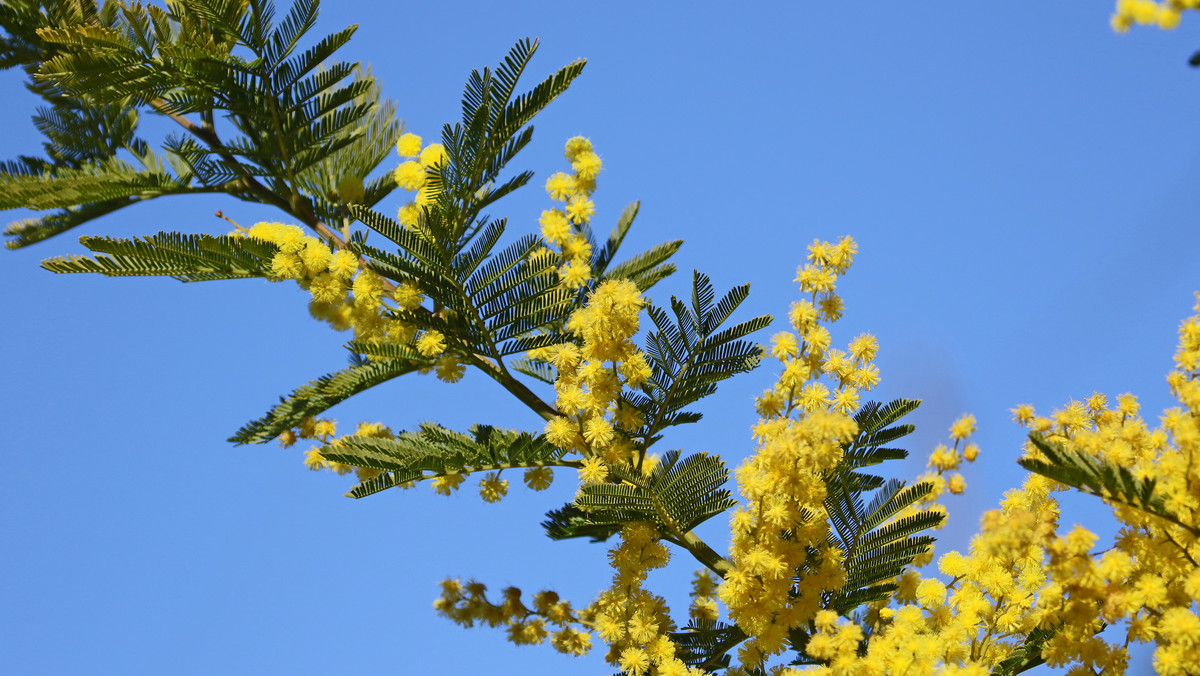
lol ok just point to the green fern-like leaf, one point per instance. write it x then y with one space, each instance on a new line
569 522
877 546
188 258
434 451
1028 655
677 496
705 645
1099 477
322 394
689 356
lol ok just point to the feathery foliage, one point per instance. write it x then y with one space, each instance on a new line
705 644
690 355
264 119
876 546
323 393
188 258
434 451
1100 477
677 496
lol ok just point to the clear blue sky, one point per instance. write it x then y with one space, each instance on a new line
1021 182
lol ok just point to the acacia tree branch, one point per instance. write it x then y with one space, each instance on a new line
302 210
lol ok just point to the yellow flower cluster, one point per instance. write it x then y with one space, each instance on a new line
413 175
634 622
563 229
1149 578
1164 14
549 618
783 563
1020 574
596 422
806 354
343 294
963 627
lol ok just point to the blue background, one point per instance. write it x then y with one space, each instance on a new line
1020 180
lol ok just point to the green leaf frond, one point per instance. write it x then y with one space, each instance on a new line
322 394
1100 477
434 451
188 258
877 546
500 298
110 181
492 132
569 522
644 269
705 645
689 356
1029 654
34 230
370 147
538 370
297 127
677 495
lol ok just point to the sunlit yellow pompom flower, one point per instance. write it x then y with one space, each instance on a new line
580 209
445 485
431 344
963 427
575 146
316 256
410 175
368 288
575 273
560 186
287 265
598 432
492 488
449 369
864 347
957 484
408 145
560 432
593 471
433 155
409 215
784 345
587 165
634 661
327 288
343 264
314 460
555 226
408 297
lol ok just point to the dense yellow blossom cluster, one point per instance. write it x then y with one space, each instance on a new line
564 228
595 421
782 528
632 620
962 627
1149 578
413 175
1020 575
1164 14
344 294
